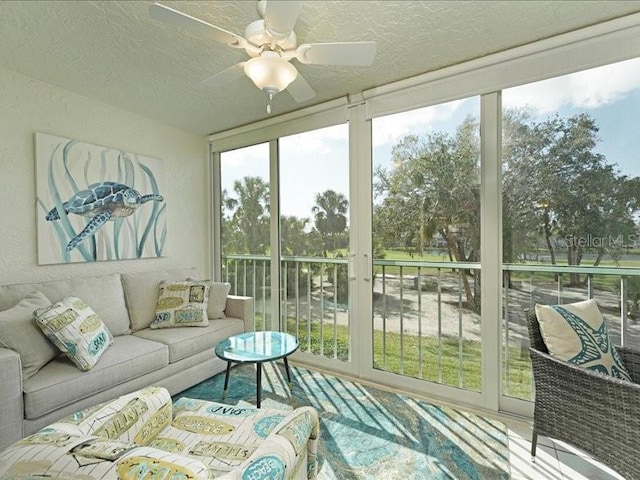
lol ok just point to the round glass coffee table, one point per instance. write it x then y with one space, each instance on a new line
256 347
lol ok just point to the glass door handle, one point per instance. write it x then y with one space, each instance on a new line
351 266
366 268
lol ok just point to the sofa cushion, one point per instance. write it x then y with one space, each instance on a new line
19 332
104 294
141 293
576 333
76 330
184 342
182 304
60 383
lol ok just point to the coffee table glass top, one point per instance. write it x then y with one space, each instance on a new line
257 347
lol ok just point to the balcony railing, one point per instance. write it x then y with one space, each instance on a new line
616 290
424 321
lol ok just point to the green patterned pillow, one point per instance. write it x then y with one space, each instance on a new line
218 293
76 330
182 304
576 333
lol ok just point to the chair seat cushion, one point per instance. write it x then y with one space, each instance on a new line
576 333
60 383
186 341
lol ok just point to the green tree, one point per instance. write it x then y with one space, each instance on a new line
330 217
556 185
246 217
296 239
432 189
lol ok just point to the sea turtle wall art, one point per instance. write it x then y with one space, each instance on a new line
96 203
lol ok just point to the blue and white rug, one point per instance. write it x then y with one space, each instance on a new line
369 433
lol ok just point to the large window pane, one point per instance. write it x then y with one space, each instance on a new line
571 189
426 237
245 227
314 232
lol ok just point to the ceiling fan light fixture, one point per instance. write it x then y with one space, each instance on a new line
270 72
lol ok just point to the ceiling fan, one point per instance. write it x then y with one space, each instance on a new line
271 44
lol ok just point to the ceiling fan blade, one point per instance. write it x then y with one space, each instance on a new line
280 17
300 90
195 25
226 76
337 53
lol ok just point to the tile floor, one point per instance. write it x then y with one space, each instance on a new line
554 460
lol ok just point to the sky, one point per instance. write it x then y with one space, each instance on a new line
313 162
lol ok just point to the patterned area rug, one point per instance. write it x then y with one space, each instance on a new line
369 433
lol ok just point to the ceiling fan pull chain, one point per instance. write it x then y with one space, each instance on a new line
269 99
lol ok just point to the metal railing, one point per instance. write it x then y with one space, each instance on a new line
424 321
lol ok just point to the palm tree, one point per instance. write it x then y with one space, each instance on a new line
330 216
251 216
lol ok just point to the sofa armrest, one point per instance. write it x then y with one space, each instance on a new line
290 450
11 405
133 418
240 307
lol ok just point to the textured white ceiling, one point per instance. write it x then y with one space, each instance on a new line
114 52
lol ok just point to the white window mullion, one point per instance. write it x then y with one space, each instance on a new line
360 288
274 205
491 245
216 216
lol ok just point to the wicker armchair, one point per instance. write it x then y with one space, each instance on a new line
594 412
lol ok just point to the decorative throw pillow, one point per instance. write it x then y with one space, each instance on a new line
19 332
182 304
76 330
576 333
217 298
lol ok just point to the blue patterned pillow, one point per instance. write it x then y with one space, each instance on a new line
73 327
576 333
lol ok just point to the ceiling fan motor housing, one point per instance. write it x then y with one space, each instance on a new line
256 34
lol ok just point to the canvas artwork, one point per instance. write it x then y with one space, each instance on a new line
97 203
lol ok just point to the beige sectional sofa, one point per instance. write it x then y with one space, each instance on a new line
174 358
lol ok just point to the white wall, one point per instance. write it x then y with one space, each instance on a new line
28 106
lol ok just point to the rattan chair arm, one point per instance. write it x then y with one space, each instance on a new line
553 367
631 359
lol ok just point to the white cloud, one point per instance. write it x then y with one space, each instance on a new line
389 129
316 142
246 156
586 90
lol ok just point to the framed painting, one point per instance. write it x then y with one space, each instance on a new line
97 203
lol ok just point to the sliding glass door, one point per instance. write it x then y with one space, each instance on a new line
314 241
427 320
245 228
285 237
